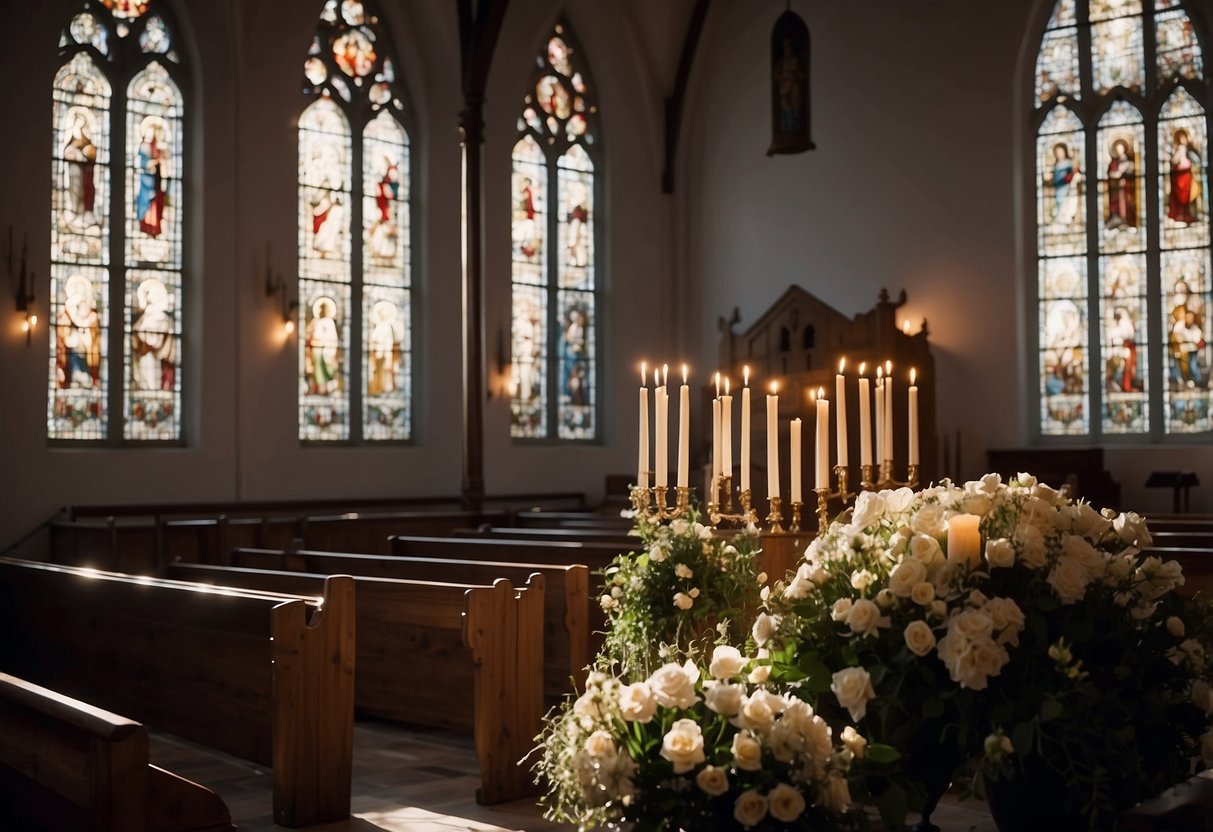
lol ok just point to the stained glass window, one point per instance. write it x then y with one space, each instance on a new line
1121 299
554 381
355 346
116 274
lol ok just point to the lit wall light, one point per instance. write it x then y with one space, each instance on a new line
275 285
23 295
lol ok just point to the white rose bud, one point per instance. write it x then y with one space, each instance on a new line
786 803
724 699
747 753
760 674
712 780
885 598
727 662
750 808
683 745
864 617
764 628
1000 553
862 579
841 609
600 745
637 702
939 609
919 638
852 687
694 593
1175 626
854 741
683 601
923 593
658 553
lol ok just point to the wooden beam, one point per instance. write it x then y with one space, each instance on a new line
675 103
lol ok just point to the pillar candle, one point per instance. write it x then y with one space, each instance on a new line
840 396
684 432
726 433
913 420
715 437
745 432
879 404
964 539
661 446
888 410
794 432
642 463
865 420
773 443
823 440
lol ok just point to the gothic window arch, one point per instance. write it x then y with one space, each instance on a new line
117 227
555 263
1124 342
355 235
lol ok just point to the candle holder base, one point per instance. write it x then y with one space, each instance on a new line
649 504
794 527
721 511
775 518
887 479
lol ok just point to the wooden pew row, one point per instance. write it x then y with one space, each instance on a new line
597 556
67 766
451 654
1180 523
566 620
263 676
620 539
1180 540
571 520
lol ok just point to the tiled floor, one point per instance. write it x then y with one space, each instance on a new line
411 781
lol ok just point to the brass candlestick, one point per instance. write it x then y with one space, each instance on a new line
775 518
823 509
824 495
659 510
797 505
866 483
887 479
721 511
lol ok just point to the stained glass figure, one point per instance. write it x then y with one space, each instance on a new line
1057 60
1124 336
1063 354
1189 353
155 37
86 30
1178 51
1121 140
355 353
1061 208
554 362
126 9
1182 145
1116 54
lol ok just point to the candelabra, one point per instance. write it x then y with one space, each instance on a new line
886 479
720 510
650 503
824 495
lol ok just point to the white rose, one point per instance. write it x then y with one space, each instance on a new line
679 527
1000 553
919 638
939 609
712 780
979 504
854 741
724 699
862 579
988 484
1089 522
637 703
923 593
1175 626
727 662
925 548
841 609
747 753
600 744
898 501
588 705
905 576
750 808
1131 528
1024 480
1082 551
972 624
930 521
835 795
658 553
760 674
674 686
869 508
703 532
787 803
683 571
683 745
864 617
683 601
1069 580
1202 695
1031 545
764 628
1048 494
885 598
758 711
852 687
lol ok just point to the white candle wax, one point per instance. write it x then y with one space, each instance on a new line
964 539
880 454
865 423
840 395
661 460
726 436
745 439
772 445
888 417
823 443
794 432
642 463
684 436
715 438
913 419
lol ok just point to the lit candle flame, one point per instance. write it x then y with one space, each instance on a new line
665 374
644 374
774 387
717 379
745 372
863 366
913 375
888 368
842 365
821 392
879 372
684 373
656 377
33 320
726 385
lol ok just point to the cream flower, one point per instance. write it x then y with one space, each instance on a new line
747 753
852 687
1031 546
864 617
600 745
1000 553
841 609
854 741
835 795
898 501
683 745
724 699
759 674
712 780
925 548
683 601
906 575
727 662
919 638
862 579
658 553
683 571
1069 579
1131 528
786 803
923 593
750 808
637 702
869 508
674 686
758 711
1175 626
764 628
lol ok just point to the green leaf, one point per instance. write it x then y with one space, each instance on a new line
817 676
893 807
880 753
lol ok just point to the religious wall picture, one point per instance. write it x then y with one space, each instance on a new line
790 86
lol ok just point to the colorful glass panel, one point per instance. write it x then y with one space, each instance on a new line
86 30
80 198
1123 342
1182 149
155 38
126 9
1178 50
1116 54
1057 66
576 308
1121 145
1110 9
1187 300
528 382
1063 346
1060 207
385 267
324 271
529 270
153 257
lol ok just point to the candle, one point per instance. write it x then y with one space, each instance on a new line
773 442
726 432
913 418
823 440
745 431
642 463
840 394
715 438
661 450
684 432
964 539
888 409
794 430
865 419
880 455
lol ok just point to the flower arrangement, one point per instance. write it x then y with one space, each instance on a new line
691 748
689 586
1056 647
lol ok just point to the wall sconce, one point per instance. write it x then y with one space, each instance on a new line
275 285
503 385
24 293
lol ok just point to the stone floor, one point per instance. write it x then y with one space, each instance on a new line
411 781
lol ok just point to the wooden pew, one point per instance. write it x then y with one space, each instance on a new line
597 556
244 672
620 539
572 520
566 619
456 655
1180 540
65 765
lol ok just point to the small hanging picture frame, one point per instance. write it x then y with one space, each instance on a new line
790 86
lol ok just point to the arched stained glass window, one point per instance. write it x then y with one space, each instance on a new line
554 379
116 284
1123 288
355 355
